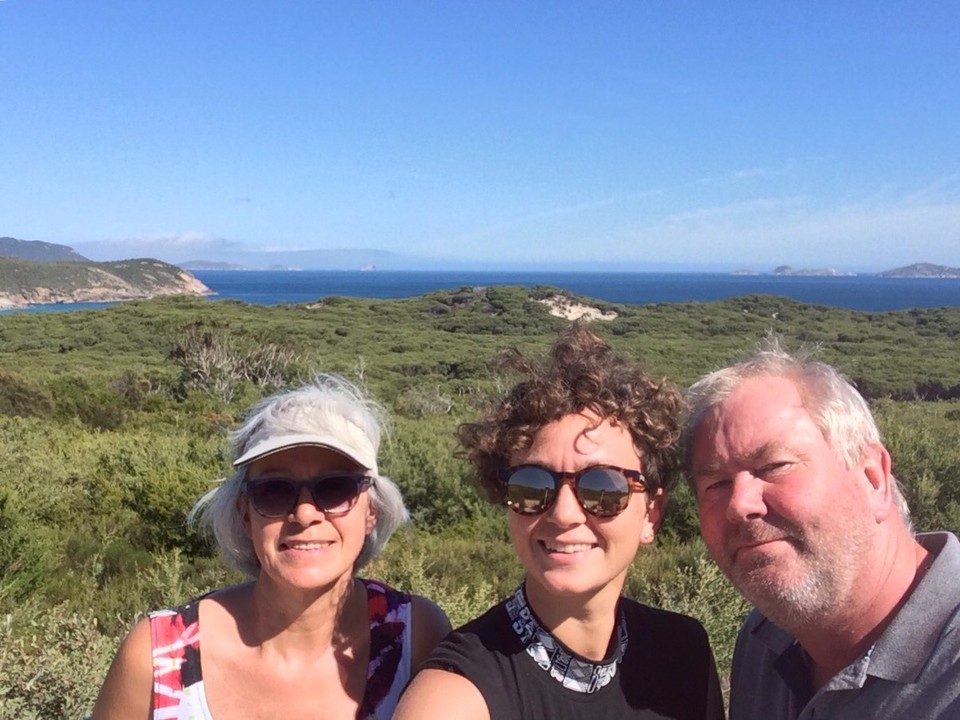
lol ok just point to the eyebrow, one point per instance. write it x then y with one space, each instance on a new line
763 451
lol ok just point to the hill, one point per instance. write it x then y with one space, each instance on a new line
25 282
921 270
38 251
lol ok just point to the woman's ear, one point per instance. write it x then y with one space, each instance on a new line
654 515
372 515
243 507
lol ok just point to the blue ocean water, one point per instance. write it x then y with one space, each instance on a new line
859 292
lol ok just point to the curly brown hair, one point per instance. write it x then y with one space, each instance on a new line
582 372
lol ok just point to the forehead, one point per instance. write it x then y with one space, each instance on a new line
578 440
760 411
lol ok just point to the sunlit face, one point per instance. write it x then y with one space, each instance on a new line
779 511
564 550
306 549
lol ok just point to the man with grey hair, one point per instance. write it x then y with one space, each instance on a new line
855 616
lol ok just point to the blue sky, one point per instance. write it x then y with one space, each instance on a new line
630 135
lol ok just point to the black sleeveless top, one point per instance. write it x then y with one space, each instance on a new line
666 671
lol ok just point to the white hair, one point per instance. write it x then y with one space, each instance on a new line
301 410
837 409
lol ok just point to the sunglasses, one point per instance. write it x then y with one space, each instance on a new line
334 495
601 490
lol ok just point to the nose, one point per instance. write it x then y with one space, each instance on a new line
566 510
746 498
306 511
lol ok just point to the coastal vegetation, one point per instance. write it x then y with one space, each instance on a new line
112 423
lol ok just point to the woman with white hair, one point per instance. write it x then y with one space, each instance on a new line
305 509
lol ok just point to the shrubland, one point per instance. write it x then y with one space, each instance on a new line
112 423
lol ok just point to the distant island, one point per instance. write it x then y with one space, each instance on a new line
824 272
33 273
922 270
211 265
917 270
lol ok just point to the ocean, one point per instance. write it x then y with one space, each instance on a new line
857 292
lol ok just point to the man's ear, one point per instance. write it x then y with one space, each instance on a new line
875 464
651 522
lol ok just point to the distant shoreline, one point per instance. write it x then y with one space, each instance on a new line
853 292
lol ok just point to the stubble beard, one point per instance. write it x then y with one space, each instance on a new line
799 591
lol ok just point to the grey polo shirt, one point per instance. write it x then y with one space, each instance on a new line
911 672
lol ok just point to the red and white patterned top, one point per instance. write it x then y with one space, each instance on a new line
178 682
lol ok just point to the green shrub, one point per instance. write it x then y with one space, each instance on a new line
19 397
52 662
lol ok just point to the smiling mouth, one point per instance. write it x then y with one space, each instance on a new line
565 548
306 546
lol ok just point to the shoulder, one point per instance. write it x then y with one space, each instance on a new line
479 640
127 690
666 645
659 622
671 657
429 625
429 695
755 619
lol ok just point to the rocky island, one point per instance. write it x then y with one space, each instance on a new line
922 270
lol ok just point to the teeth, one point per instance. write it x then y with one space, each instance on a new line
566 547
306 546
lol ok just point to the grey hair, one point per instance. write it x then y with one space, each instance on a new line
837 409
217 513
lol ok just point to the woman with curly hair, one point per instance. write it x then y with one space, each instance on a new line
581 452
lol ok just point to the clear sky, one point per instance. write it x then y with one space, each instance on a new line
633 135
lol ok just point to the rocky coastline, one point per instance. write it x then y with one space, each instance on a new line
104 287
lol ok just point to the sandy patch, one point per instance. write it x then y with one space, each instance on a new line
562 306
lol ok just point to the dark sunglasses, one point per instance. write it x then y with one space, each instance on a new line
276 497
601 490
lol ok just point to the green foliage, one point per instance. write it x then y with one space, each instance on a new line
925 445
418 569
52 661
215 363
19 397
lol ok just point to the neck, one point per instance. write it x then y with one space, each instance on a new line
871 604
583 622
312 620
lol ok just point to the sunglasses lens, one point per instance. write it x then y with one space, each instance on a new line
337 494
603 491
277 497
530 490
273 498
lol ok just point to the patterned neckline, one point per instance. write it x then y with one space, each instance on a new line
571 671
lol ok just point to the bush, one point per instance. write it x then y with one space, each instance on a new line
19 397
52 663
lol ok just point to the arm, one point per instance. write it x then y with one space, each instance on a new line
429 626
441 695
127 691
